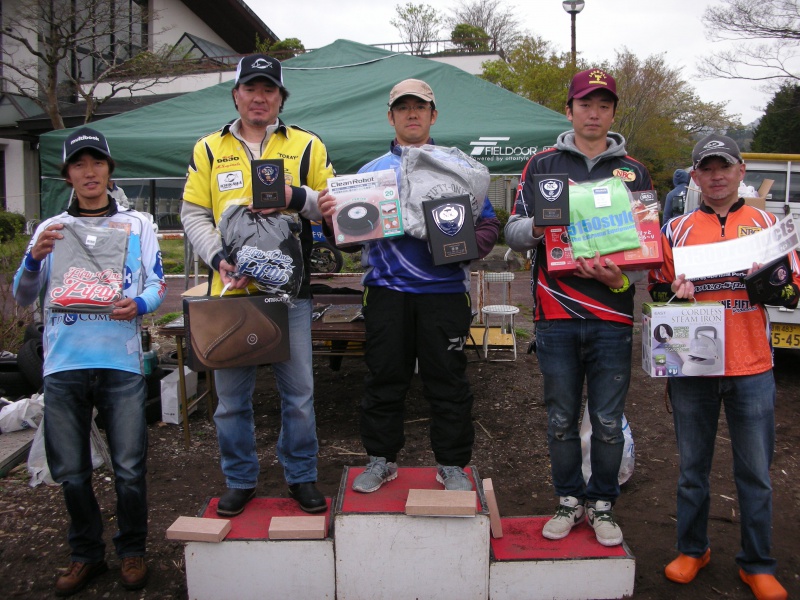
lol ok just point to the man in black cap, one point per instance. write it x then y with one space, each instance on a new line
747 388
101 352
584 322
219 176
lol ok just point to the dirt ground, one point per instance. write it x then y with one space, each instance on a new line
510 448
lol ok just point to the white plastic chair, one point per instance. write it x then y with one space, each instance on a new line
505 311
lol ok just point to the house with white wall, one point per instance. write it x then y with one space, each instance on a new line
211 31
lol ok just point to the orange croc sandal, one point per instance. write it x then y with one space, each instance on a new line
685 568
764 586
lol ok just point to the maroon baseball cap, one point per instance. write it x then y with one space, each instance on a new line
591 80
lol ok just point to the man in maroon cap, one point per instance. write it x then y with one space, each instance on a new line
584 322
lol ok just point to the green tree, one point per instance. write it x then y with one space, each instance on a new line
534 70
418 25
501 23
779 129
660 114
282 49
470 38
288 48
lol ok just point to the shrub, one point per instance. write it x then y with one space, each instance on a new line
11 224
13 318
502 216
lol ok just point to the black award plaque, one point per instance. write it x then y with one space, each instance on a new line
551 199
268 183
451 229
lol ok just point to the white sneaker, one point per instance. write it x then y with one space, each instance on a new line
570 512
601 518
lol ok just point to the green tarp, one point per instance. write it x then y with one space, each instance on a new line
340 92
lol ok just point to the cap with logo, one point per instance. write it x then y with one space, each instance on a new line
259 65
591 80
716 145
85 138
412 87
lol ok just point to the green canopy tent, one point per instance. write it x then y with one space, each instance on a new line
340 92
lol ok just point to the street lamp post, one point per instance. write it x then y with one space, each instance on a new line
573 7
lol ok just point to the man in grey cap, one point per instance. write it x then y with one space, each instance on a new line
219 176
747 388
415 313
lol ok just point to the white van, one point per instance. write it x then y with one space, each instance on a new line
783 198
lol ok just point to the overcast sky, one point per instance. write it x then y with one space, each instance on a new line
646 27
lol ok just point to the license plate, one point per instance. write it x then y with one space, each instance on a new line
785 336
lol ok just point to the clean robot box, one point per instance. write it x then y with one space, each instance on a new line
683 339
551 199
367 207
647 256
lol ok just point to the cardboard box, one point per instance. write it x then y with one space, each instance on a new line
760 201
197 529
441 503
171 396
451 229
297 528
682 339
367 207
551 199
645 213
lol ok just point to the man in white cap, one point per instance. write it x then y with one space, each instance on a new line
415 313
101 354
748 387
220 175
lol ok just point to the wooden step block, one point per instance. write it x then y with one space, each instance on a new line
197 529
494 512
441 503
297 528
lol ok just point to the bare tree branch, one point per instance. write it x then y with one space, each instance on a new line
766 36
500 23
56 52
418 24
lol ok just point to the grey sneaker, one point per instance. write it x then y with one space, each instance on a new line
570 512
606 529
377 473
453 478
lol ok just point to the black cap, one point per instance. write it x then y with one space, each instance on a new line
85 139
259 65
716 145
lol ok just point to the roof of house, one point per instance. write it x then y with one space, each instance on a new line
233 21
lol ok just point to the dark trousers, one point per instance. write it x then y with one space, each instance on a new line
403 329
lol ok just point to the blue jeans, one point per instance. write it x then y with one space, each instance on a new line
120 398
569 351
297 442
750 412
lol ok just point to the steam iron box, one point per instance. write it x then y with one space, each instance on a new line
683 339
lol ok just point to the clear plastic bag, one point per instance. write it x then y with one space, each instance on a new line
628 452
37 457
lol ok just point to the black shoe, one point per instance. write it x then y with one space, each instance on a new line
308 497
232 501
